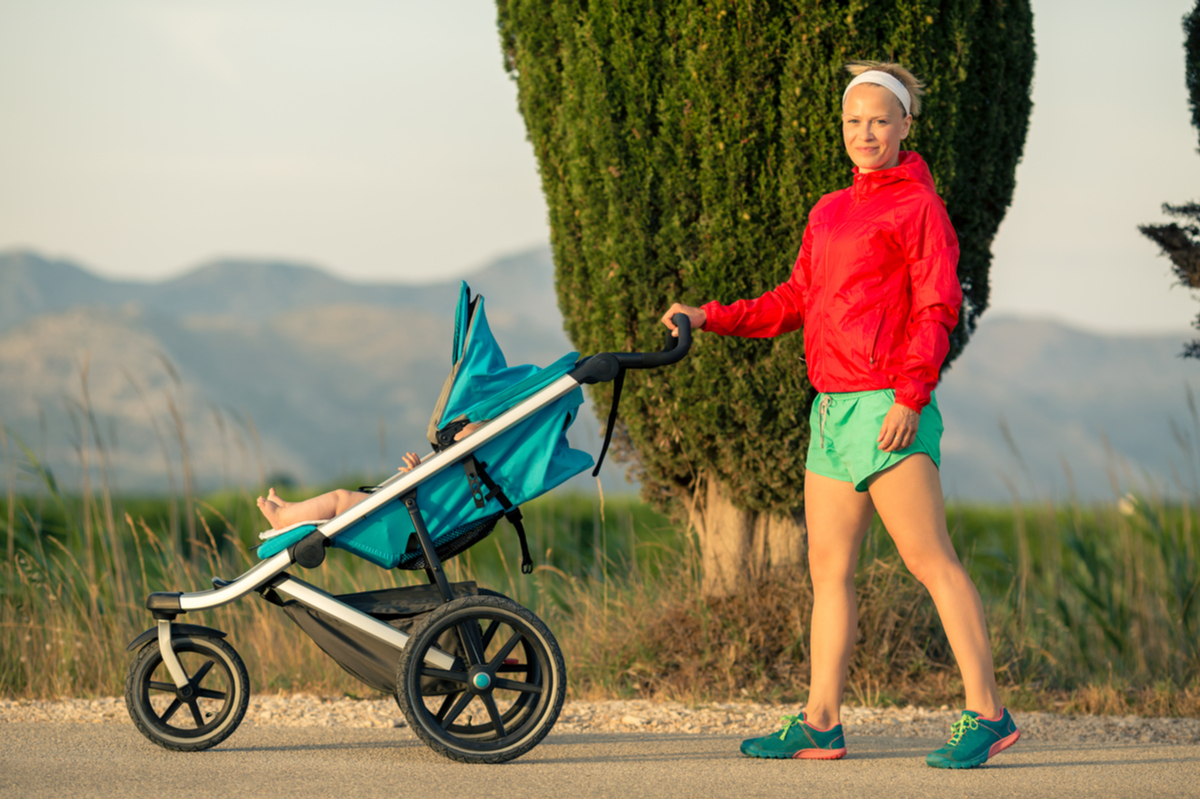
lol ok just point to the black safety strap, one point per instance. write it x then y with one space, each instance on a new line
618 382
478 478
514 517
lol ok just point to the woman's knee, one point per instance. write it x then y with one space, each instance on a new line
933 567
831 566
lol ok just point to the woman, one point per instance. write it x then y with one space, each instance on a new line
876 291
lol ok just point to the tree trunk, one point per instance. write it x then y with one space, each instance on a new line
739 546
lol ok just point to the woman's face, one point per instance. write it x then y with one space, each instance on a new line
873 125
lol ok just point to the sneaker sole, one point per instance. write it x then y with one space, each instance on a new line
821 755
811 754
1004 744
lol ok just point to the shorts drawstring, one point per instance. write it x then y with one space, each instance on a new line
821 411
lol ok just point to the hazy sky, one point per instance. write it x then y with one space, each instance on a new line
381 140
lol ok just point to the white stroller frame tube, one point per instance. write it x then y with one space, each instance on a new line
262 572
168 654
265 571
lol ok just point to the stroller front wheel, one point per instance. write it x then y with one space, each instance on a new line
504 692
195 717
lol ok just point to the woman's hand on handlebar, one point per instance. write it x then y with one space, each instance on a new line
696 315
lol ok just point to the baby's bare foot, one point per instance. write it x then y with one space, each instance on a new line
276 499
270 511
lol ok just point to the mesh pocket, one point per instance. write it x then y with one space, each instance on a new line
451 544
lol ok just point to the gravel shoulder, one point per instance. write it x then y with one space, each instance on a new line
645 716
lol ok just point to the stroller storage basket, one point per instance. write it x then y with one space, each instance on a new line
371 661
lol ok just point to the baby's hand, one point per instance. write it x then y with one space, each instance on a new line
410 461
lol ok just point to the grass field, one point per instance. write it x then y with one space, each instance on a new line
1092 608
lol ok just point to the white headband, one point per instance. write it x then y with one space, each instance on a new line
886 81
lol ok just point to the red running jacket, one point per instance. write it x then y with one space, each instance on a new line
875 287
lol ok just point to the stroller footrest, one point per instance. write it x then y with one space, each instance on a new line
283 541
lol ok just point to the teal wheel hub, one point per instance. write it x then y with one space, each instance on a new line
481 680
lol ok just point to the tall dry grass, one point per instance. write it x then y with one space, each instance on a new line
1092 607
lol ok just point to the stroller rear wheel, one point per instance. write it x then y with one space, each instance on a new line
503 694
199 715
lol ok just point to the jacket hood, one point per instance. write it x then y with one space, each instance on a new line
911 168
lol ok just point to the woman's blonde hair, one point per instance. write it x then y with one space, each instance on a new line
914 86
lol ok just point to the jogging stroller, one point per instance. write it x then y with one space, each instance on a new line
478 677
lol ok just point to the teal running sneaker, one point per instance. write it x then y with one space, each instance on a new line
798 739
973 740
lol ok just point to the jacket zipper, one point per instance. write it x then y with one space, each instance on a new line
875 341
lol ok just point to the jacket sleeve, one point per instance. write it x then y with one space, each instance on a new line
932 250
780 310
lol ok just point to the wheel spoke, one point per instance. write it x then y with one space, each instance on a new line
512 642
200 673
210 694
490 632
445 675
514 668
455 710
489 703
160 686
196 715
171 709
518 686
445 706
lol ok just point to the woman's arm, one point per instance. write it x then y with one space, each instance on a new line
936 300
778 311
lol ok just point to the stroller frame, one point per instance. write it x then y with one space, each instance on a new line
162 644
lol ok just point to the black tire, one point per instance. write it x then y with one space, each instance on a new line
218 686
517 714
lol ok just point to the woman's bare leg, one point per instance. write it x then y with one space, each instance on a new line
837 518
322 506
910 503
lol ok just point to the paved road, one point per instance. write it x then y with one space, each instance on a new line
109 760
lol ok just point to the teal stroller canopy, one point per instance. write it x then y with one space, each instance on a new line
461 506
481 385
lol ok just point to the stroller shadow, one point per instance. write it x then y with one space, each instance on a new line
369 742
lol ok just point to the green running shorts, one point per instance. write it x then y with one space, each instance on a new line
844 432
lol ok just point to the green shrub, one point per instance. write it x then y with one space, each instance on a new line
681 146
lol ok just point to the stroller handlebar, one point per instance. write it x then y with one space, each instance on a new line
674 350
604 367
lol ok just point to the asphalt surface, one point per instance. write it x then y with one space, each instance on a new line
110 760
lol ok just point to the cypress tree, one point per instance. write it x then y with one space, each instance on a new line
1181 243
681 145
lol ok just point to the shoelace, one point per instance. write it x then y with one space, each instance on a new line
960 728
790 720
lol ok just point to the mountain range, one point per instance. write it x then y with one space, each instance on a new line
245 371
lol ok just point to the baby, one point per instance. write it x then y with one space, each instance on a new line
282 514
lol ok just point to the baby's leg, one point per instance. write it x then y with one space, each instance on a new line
322 506
276 499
